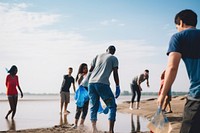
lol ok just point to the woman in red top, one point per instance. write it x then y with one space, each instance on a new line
11 84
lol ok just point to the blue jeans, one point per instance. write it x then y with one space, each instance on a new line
97 90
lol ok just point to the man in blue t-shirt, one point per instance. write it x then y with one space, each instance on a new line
186 45
99 86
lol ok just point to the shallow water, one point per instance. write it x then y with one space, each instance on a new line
43 111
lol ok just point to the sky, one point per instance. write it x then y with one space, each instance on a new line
45 37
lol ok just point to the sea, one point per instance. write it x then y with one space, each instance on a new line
43 111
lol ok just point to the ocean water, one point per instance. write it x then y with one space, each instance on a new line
40 111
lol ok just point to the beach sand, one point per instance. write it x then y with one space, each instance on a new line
148 109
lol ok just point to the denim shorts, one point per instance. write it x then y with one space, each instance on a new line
103 91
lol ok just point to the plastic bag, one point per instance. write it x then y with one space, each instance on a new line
81 96
159 123
102 110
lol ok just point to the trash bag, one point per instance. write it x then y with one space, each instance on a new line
81 96
102 110
159 123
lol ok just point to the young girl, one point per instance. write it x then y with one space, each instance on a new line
11 84
82 72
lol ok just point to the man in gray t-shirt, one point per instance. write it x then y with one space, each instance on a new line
99 86
136 88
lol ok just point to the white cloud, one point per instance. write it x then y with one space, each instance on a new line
111 22
14 18
105 22
43 55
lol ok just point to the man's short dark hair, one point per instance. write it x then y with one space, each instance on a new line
188 17
147 71
70 68
111 49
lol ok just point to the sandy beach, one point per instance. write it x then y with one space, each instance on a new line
148 108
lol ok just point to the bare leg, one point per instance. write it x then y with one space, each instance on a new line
15 100
131 106
11 103
137 106
94 127
76 122
66 104
61 107
169 107
82 121
111 126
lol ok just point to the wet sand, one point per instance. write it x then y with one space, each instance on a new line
148 108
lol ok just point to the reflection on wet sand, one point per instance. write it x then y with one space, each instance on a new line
63 120
11 125
135 127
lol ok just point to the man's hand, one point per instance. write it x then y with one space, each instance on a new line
117 92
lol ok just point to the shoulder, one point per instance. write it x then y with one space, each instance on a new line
65 77
72 78
112 57
141 75
185 33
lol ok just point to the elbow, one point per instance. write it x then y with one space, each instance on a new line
172 68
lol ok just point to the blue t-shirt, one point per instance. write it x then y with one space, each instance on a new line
187 43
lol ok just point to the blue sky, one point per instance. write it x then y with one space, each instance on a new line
44 37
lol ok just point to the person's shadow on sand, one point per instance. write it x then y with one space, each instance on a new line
11 125
135 129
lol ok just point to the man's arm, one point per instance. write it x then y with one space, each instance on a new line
139 82
116 79
74 87
170 74
116 76
148 82
91 68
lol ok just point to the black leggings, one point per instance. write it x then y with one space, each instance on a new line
135 89
83 109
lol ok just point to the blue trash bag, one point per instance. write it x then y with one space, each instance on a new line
102 110
159 123
81 96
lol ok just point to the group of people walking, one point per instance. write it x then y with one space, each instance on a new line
185 44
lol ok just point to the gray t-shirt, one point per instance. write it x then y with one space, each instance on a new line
103 65
141 77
